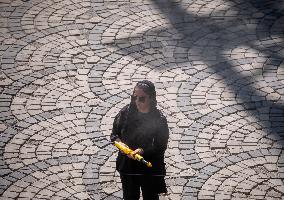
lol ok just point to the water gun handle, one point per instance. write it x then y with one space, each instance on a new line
128 151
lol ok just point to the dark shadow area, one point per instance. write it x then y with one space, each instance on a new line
188 39
193 38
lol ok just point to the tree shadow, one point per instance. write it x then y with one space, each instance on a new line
216 41
189 38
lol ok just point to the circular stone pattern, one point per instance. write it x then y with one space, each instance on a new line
68 67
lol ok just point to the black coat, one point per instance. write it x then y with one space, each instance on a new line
147 131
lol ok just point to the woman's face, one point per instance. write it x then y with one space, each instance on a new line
142 100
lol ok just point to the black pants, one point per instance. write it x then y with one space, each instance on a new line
131 185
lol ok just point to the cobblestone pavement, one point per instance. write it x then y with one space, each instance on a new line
68 66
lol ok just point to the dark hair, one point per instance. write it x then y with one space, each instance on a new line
149 88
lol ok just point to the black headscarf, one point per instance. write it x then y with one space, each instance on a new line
131 113
149 88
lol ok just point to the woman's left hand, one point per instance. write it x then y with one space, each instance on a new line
136 151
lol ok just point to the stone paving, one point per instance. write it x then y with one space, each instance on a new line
68 66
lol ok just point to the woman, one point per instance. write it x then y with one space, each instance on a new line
143 128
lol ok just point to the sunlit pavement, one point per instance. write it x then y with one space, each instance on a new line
68 66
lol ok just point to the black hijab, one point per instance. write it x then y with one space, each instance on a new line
149 88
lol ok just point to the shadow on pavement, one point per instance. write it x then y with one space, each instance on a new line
207 38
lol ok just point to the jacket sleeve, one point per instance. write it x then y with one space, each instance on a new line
160 141
163 136
117 126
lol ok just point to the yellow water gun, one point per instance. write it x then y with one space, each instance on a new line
128 151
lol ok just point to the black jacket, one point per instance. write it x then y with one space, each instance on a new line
147 131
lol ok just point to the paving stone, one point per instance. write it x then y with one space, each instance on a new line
218 76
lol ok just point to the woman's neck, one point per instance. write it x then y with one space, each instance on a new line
144 111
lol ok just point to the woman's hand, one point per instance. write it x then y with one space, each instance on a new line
136 151
133 153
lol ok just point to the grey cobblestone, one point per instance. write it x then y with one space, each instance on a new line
68 66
